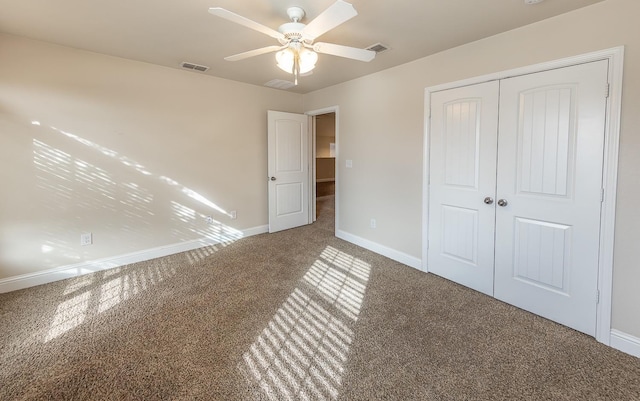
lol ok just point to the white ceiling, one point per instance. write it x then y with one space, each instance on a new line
168 32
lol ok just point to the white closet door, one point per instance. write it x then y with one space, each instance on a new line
550 156
462 174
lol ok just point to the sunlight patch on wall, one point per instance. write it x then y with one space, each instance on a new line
67 181
142 169
303 351
58 177
183 213
94 179
220 235
137 200
58 172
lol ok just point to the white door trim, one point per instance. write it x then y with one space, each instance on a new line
615 56
312 170
313 113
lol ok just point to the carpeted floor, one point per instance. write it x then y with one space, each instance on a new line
296 315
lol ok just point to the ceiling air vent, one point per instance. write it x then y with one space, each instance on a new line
378 48
280 84
195 67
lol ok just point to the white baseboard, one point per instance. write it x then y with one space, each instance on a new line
398 256
250 232
60 273
625 342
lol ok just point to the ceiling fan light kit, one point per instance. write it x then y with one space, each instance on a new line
296 61
298 53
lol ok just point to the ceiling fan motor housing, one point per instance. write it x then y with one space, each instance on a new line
292 31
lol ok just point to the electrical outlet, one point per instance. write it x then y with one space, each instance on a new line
86 239
372 224
233 215
349 163
209 219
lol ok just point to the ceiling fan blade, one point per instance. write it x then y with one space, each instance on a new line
339 12
255 52
239 19
344 51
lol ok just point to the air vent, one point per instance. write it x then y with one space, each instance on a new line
195 67
378 48
280 84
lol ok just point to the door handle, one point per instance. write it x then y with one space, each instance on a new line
273 178
488 200
502 202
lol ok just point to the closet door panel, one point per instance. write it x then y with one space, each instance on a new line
462 174
549 176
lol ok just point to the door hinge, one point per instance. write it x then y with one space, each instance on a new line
607 90
602 195
597 296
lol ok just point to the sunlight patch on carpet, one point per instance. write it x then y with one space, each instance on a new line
69 315
90 295
303 351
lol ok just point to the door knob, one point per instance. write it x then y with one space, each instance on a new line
502 202
273 178
488 200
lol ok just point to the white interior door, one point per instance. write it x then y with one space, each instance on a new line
288 169
550 157
462 169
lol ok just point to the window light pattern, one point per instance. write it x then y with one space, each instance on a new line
303 351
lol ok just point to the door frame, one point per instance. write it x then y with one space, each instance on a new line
312 170
615 56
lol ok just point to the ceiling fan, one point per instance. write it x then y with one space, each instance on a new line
297 53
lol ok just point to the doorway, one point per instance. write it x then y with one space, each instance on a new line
325 155
325 172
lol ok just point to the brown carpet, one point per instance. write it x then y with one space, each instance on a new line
297 315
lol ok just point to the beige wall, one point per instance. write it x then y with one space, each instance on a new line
135 153
386 181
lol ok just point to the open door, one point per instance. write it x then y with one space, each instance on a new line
288 169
